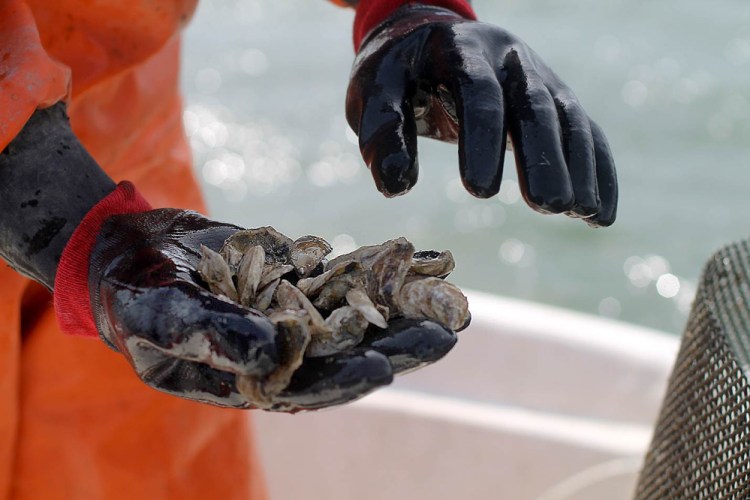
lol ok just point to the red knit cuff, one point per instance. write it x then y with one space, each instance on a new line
370 13
72 301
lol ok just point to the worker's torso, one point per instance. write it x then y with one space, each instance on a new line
76 422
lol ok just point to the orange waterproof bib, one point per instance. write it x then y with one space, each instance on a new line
76 423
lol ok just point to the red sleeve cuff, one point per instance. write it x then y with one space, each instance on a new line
71 296
370 13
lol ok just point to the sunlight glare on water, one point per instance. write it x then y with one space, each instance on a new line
669 82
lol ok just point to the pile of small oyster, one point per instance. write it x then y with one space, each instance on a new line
320 307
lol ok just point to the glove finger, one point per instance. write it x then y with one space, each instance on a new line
334 380
606 177
382 103
578 147
482 136
534 130
318 383
182 320
187 379
410 344
197 230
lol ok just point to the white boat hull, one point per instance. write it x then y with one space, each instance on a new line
534 402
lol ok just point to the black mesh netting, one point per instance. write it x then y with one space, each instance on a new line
701 445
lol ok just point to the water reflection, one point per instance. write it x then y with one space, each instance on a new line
509 192
668 285
264 115
240 159
654 270
333 166
516 253
342 244
254 62
610 307
473 218
208 81
738 51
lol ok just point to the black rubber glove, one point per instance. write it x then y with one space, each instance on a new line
184 340
180 338
427 71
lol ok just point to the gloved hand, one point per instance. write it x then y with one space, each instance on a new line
182 339
428 71
128 273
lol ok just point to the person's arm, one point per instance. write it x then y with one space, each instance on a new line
48 183
429 68
126 273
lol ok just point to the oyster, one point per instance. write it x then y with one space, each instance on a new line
363 255
249 273
432 263
323 307
215 272
360 301
386 265
435 299
274 272
293 339
312 286
276 245
265 297
307 253
289 297
333 293
384 311
347 326
389 269
232 256
324 340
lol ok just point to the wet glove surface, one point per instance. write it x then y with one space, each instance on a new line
132 279
427 71
149 302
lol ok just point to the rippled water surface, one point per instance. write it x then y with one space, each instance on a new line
669 81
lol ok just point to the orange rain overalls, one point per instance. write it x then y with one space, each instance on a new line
76 422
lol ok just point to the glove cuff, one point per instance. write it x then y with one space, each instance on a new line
370 13
71 295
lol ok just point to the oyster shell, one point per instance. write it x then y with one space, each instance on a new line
360 301
343 329
384 311
385 269
363 255
333 293
312 286
435 299
249 274
215 272
347 326
292 341
232 256
389 269
273 272
307 253
265 297
432 263
276 245
321 308
289 297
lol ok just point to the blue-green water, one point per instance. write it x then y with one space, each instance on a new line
669 80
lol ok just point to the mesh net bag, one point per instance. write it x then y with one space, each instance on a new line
701 444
